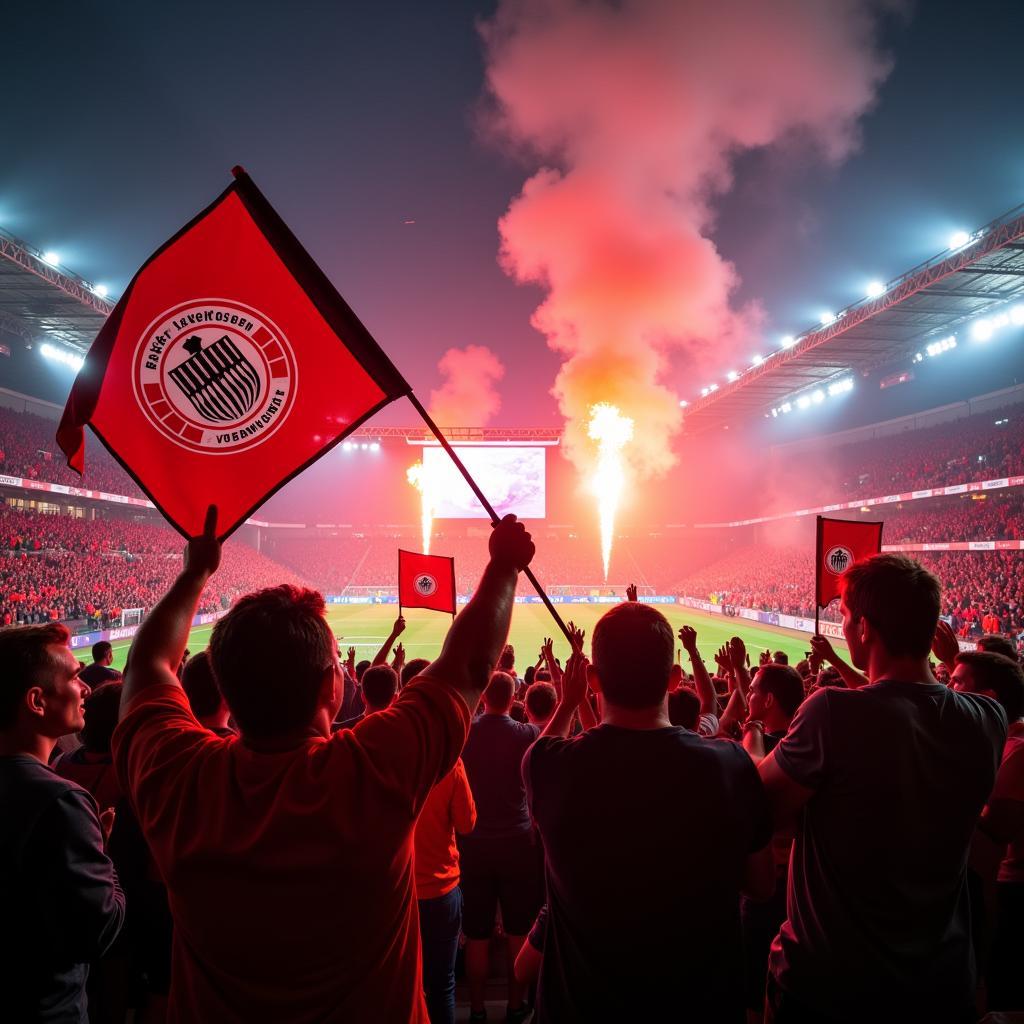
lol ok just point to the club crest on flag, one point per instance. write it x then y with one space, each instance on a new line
838 559
425 584
214 376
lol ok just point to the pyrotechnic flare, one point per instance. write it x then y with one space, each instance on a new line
419 477
612 431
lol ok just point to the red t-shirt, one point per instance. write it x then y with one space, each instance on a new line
290 875
449 809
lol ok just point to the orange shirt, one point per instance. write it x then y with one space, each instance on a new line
290 875
449 809
990 624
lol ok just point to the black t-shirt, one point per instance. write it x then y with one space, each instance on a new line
95 675
493 758
878 914
646 835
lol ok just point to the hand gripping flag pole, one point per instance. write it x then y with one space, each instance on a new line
489 509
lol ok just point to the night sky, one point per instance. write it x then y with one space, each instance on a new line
122 120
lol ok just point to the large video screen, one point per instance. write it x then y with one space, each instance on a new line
511 478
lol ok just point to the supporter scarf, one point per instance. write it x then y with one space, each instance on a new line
229 365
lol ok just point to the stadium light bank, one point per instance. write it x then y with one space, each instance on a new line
62 356
815 397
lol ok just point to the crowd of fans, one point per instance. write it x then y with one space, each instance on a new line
267 831
59 568
987 516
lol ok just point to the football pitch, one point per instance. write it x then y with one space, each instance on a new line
365 627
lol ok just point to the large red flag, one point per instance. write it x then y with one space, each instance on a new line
230 364
426 581
840 544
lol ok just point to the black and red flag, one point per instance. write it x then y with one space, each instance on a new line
426 581
229 365
840 544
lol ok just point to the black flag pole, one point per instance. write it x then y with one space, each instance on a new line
817 574
489 509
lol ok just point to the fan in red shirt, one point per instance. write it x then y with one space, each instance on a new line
288 852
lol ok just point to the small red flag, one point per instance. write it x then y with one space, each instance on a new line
229 365
840 544
426 581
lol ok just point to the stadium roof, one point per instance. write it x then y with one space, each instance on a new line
927 303
40 301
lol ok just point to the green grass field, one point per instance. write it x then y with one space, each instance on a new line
365 627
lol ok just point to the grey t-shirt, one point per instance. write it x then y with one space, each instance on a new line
878 915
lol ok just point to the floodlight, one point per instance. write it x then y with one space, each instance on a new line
775 413
1017 316
101 290
818 396
683 403
703 392
732 375
52 258
958 239
346 446
827 318
788 341
982 330
786 407
874 289
757 360
803 402
374 446
712 387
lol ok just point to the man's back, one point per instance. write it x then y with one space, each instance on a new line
646 834
877 907
290 874
493 756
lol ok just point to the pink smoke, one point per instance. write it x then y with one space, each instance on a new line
467 397
638 109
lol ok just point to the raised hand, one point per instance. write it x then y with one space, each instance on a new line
577 636
722 659
688 637
737 653
574 682
350 662
399 659
766 658
631 592
945 645
399 627
821 651
202 553
510 545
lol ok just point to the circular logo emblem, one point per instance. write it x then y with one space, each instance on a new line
425 584
838 560
214 376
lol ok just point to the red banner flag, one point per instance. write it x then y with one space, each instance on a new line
840 544
426 581
229 365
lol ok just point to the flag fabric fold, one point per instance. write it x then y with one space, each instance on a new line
841 542
229 365
426 581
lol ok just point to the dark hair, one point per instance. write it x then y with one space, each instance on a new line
200 686
1002 675
411 669
507 660
528 675
379 685
900 599
996 644
541 699
499 692
101 710
269 655
518 712
101 650
780 658
784 683
829 676
361 667
542 675
23 657
633 646
803 666
684 708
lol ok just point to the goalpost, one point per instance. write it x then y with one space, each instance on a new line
131 616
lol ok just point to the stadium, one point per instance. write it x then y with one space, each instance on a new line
94 553
542 541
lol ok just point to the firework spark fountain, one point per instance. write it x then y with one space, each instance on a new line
418 475
612 431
